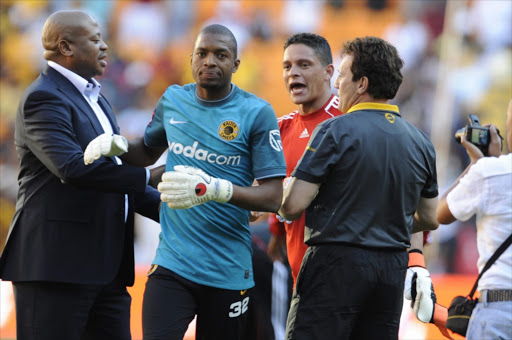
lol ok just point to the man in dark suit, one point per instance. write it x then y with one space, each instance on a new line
69 252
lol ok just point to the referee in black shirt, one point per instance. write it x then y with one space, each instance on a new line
367 181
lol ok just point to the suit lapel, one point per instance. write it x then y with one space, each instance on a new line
69 90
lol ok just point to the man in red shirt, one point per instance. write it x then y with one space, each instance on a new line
307 73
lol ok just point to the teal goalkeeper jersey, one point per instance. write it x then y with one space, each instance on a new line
235 138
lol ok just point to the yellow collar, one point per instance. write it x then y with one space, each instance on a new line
374 106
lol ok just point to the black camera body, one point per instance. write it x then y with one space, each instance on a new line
476 134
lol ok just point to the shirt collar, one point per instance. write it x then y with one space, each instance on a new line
374 106
88 89
217 102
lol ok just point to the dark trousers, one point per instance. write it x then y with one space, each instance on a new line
53 311
171 302
346 292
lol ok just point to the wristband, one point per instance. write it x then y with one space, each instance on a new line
416 258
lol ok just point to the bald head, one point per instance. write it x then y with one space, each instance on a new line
73 40
63 25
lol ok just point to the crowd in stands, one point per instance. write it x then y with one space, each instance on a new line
150 43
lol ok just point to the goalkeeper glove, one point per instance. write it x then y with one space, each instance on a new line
282 220
187 186
107 145
286 181
419 289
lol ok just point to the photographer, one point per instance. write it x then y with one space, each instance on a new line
485 189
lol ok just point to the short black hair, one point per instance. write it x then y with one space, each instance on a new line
318 43
377 60
223 30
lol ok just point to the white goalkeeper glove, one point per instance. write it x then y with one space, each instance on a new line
187 186
421 293
282 220
107 145
419 289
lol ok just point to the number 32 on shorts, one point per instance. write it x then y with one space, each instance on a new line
238 308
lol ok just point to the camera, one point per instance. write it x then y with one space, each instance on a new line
476 134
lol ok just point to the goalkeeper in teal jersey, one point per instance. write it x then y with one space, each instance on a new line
233 138
219 140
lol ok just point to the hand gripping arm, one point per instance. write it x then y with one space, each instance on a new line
187 186
107 145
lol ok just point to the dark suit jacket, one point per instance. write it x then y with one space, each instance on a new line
69 224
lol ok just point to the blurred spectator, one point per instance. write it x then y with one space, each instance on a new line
301 16
134 118
140 29
486 27
182 15
488 22
27 19
409 34
101 10
261 25
413 38
336 4
229 13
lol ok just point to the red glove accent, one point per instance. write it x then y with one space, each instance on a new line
440 318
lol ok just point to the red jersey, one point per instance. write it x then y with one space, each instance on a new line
295 133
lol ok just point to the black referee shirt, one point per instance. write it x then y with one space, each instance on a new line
373 166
